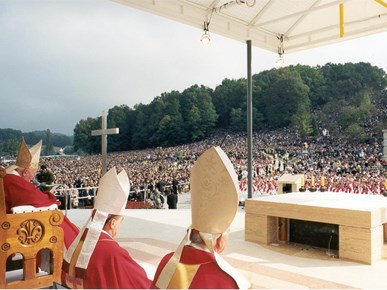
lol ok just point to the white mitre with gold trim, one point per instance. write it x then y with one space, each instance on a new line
214 203
111 199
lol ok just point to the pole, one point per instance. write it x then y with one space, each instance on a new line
104 143
249 123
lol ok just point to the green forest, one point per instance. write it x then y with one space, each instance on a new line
9 140
342 98
349 100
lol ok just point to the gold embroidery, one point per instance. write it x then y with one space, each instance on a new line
183 276
71 280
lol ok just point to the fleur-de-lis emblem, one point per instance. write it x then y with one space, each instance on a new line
30 232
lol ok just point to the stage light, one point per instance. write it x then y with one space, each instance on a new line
280 62
206 38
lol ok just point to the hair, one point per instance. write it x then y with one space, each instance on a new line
111 217
195 237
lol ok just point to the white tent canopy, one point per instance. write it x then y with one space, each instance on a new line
280 26
301 23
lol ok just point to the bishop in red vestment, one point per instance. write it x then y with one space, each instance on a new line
110 266
18 192
95 260
214 203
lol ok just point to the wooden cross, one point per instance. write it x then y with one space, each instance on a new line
103 133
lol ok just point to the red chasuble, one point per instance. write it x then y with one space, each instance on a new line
196 269
18 192
110 266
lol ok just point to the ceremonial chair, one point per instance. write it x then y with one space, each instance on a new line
27 235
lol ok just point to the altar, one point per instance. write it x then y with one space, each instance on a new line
359 219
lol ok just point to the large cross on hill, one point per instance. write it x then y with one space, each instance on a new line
103 132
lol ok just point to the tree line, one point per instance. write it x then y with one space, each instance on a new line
345 99
9 140
341 98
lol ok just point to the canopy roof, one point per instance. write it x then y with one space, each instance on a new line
302 23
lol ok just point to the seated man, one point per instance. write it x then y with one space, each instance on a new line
45 178
214 203
95 260
19 190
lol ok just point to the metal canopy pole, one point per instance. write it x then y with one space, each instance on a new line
249 123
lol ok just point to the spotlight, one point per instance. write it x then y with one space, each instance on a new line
280 61
206 38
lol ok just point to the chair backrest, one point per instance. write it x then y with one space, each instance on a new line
28 234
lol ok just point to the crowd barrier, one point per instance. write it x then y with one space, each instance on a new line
73 197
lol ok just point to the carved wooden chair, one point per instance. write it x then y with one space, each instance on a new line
26 235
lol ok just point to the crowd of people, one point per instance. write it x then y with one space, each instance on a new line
345 167
94 259
196 263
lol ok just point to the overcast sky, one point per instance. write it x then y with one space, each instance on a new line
65 60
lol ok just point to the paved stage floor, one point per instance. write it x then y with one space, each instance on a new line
149 234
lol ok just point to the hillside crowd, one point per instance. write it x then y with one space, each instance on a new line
345 167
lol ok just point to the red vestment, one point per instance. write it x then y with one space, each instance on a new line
208 274
19 192
110 266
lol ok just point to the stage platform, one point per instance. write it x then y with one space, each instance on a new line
361 220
